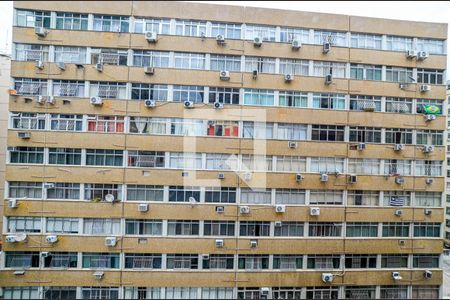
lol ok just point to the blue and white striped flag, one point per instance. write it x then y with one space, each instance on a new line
397 201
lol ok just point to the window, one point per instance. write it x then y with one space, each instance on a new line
101 260
395 229
287 262
64 191
182 261
256 162
68 88
218 161
397 198
290 164
147 58
430 137
143 261
260 64
289 196
398 74
248 293
327 164
108 56
257 130
112 90
365 134
28 121
430 76
421 103
190 60
428 168
64 156
322 293
323 261
70 55
183 93
110 124
364 166
323 68
398 136
30 87
431 46
223 128
360 292
428 199
227 30
365 103
398 43
21 292
294 66
360 261
111 23
21 189
329 101
218 228
24 224
28 18
362 198
254 228
145 192
100 157
220 195
398 105
425 291
61 260
18 259
217 293
190 28
335 38
364 40
289 229
184 160
223 95
100 292
255 196
30 52
365 72
326 197
26 155
253 261
146 159
292 132
160 26
187 127
230 63
143 227
97 191
181 293
59 292
427 229
293 99
101 226
266 33
182 227
288 34
394 260
362 229
286 292
425 261
325 229
62 225
327 133
218 262
71 21
144 125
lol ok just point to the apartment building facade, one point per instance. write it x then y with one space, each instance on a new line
447 203
179 150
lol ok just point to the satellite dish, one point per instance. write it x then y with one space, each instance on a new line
20 237
109 198
192 200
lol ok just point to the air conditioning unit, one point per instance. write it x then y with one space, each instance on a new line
219 243
51 100
10 239
98 275
192 201
96 101
40 31
151 37
51 239
15 238
403 86
399 180
12 203
298 177
352 178
428 149
40 99
253 243
248 176
109 198
296 44
278 223
421 55
220 39
427 211
149 103
430 118
149 70
110 241
224 75
396 276
399 147
99 67
314 211
39 64
23 135
49 185
188 104
429 180
360 146
220 209
288 77
280 208
425 88
323 177
205 256
218 105
398 212
45 254
61 65
292 144
401 242
257 41
143 207
427 274
327 277
244 209
328 79
326 47
255 74
221 176
264 291
411 54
